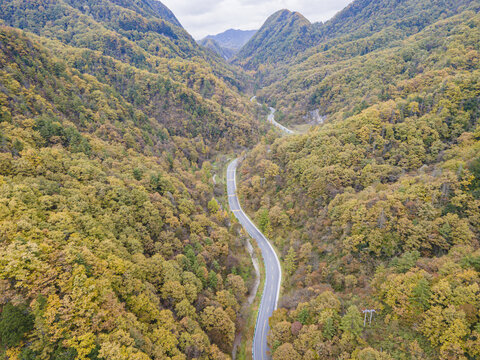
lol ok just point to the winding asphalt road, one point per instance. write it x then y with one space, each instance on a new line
271 119
273 271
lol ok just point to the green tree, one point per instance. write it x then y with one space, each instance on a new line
15 323
304 316
212 280
329 329
264 221
213 206
475 170
291 261
421 295
352 322
137 174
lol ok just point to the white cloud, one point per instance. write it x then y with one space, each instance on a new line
204 17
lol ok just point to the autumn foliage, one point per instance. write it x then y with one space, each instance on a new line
379 209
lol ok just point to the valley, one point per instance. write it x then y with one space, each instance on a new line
139 166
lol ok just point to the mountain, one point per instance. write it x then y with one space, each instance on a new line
375 213
160 10
112 245
228 43
99 37
114 239
365 17
362 28
213 45
283 35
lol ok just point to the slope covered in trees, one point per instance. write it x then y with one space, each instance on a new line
365 17
100 37
363 28
218 49
283 35
111 244
379 208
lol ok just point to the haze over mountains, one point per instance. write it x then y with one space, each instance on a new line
228 43
115 238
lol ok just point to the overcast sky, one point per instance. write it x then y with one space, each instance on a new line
210 17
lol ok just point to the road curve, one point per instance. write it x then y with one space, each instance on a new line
271 119
273 271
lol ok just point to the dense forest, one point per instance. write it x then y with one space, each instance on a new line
111 243
154 65
310 80
379 208
114 243
284 34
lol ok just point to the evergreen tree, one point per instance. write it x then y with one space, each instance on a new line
352 322
291 261
15 323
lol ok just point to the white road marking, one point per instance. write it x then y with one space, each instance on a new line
270 296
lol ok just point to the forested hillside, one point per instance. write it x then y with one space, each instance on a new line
214 46
152 63
111 244
304 82
379 208
283 35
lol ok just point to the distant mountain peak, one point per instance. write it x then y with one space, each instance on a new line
232 38
233 31
227 43
285 14
288 12
283 35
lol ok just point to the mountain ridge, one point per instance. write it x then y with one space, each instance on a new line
362 27
283 34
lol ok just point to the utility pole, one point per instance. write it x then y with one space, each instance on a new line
371 312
